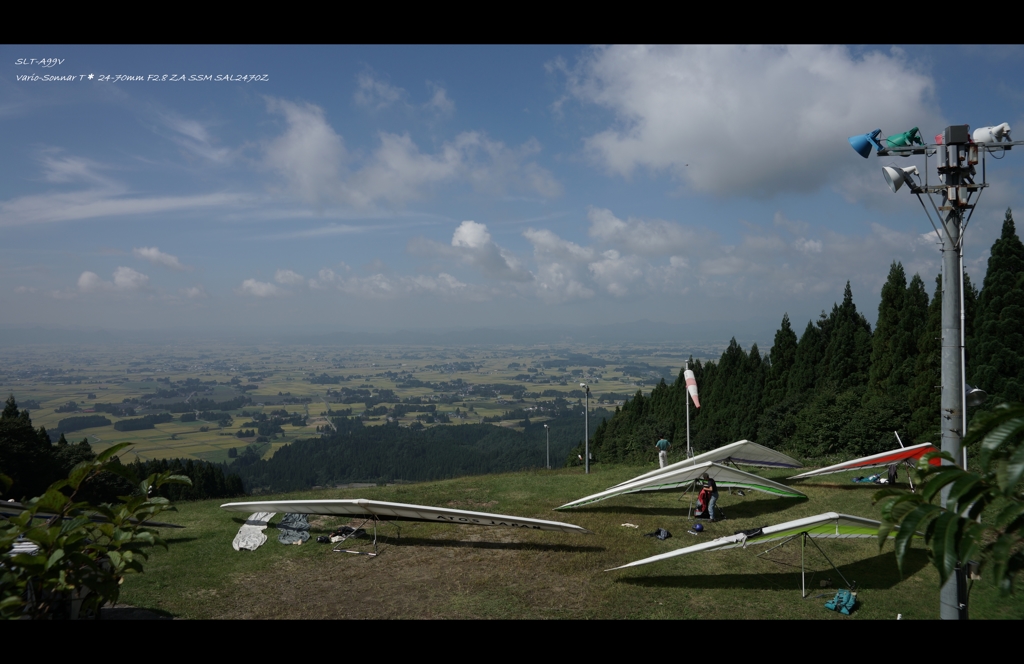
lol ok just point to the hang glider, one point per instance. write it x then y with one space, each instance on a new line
907 454
384 511
742 452
724 476
829 525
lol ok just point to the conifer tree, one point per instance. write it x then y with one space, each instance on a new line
997 346
806 362
885 342
848 350
781 358
924 397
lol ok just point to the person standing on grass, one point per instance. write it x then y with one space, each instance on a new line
710 483
663 446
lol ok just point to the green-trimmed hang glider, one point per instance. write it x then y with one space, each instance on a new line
724 476
742 452
829 525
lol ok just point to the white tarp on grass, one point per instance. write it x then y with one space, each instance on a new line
250 536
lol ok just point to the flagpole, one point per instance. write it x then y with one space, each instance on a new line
686 397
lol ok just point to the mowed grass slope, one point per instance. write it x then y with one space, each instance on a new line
450 571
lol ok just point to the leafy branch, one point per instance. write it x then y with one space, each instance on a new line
84 551
984 515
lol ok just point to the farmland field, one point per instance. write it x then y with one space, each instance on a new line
464 385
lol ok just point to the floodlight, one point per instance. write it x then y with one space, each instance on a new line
863 142
975 396
905 139
895 177
992 134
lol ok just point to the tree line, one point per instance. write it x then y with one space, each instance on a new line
841 388
33 463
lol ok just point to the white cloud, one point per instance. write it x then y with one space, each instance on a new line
157 257
653 238
616 273
74 169
375 93
388 287
289 278
440 103
260 289
471 234
194 292
309 154
125 280
316 166
806 246
193 136
562 266
746 119
103 196
472 245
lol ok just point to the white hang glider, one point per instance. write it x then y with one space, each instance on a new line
377 510
742 452
907 454
683 477
829 525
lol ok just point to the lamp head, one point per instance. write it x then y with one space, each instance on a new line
905 139
974 396
896 177
992 134
864 142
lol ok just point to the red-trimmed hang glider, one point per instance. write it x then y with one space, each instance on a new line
906 454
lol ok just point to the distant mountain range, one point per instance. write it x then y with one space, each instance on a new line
642 331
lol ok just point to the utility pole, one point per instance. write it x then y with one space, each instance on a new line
586 431
957 156
547 433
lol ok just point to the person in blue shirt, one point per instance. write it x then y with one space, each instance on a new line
663 446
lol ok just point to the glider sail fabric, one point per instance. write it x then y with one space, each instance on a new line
683 477
742 452
401 512
829 525
875 460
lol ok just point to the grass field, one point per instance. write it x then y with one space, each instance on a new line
450 571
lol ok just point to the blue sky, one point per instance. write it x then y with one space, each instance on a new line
374 188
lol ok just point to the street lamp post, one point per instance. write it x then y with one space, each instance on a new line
956 155
547 434
586 431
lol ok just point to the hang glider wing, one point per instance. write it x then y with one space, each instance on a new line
742 452
400 512
830 525
875 460
724 476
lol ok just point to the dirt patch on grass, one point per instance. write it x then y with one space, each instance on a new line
474 573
